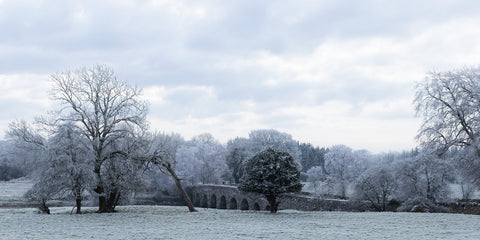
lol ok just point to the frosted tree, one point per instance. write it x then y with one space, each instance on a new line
270 138
163 154
187 165
101 105
122 171
70 164
315 175
32 147
202 160
271 173
211 154
11 164
424 177
27 145
238 152
460 158
449 103
376 185
242 149
343 166
66 168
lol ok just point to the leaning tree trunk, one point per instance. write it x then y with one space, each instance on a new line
272 200
185 197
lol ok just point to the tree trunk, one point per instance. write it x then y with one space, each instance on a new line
112 200
272 200
43 207
185 197
78 200
102 204
102 200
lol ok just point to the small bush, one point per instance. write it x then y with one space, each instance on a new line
420 204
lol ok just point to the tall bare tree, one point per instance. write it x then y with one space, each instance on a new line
450 105
102 106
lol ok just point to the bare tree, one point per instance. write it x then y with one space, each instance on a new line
122 172
270 138
424 177
376 185
101 105
202 160
343 166
70 162
63 162
163 151
450 105
28 145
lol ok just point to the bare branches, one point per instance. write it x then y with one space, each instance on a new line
22 133
450 105
106 109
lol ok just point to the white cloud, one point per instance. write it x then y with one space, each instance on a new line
26 88
328 73
22 96
155 94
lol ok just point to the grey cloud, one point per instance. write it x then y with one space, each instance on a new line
150 46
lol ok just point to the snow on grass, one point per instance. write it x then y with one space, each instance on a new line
162 222
14 189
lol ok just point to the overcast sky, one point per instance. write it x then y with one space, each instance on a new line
327 72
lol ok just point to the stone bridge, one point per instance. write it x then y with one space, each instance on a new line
229 197
226 197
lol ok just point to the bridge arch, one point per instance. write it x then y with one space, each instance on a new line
226 197
233 203
197 199
204 201
244 205
223 203
213 201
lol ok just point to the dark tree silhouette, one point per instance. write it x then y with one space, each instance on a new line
271 173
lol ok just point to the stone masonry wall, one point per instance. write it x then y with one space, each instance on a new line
229 197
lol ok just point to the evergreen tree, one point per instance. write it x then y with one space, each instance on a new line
271 173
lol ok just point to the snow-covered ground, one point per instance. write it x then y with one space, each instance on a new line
14 189
162 222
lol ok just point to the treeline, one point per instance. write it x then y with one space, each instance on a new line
98 144
65 171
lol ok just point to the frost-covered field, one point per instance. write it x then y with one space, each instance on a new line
14 189
161 222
